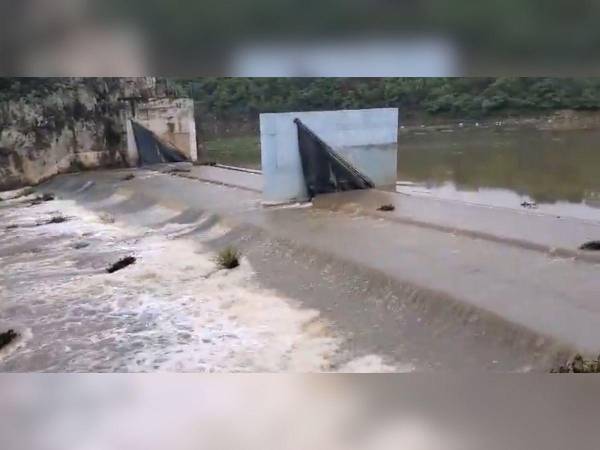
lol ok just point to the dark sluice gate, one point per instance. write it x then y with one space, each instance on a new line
152 150
324 169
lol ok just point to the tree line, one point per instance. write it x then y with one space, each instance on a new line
454 97
464 97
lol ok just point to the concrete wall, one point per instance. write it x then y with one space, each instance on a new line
171 119
367 138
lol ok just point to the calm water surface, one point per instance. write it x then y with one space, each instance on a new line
560 171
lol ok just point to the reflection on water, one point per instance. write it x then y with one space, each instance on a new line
558 170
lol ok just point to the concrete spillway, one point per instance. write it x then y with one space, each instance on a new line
430 286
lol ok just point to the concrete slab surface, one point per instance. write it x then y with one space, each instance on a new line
526 228
423 296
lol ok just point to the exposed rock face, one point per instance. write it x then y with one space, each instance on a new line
54 125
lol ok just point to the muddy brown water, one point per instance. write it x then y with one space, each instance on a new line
497 165
557 170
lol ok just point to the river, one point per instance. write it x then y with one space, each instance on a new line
558 171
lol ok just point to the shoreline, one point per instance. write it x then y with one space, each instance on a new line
561 120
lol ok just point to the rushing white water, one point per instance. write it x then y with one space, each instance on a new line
170 311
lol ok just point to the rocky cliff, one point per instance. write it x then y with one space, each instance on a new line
55 125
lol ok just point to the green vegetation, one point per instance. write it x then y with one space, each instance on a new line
231 98
235 150
460 97
228 258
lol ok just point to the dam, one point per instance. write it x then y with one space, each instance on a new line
340 269
432 285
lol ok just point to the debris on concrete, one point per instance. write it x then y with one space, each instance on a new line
580 365
530 205
204 163
128 177
7 337
57 218
54 219
175 170
121 264
591 245
80 245
46 197
388 207
228 258
106 218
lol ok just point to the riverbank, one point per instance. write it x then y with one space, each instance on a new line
561 120
211 129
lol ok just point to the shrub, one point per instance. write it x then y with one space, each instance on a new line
228 258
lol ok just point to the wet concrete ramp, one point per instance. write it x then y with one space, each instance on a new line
558 236
425 297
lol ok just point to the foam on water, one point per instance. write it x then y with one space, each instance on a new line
170 311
